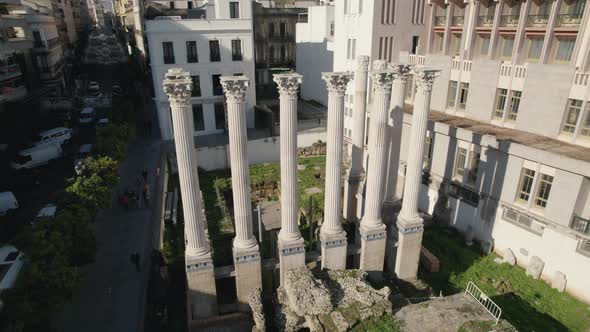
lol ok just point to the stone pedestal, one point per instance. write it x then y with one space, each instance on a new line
355 173
291 245
332 235
245 248
409 223
372 229
201 293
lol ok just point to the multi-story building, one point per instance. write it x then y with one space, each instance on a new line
288 3
99 9
274 45
210 41
16 41
507 150
47 52
315 51
67 27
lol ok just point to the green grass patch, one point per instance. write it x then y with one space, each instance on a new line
385 323
528 304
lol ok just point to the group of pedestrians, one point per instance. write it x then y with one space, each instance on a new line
131 198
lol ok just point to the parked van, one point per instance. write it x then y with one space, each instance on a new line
47 212
36 156
87 115
53 136
7 202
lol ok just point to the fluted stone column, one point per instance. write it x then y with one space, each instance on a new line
409 223
291 244
201 295
372 229
394 136
245 248
356 173
332 235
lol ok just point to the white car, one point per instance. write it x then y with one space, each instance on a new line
48 211
53 136
93 86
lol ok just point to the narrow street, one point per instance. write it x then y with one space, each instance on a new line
111 296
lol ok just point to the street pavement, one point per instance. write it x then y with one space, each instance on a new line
111 296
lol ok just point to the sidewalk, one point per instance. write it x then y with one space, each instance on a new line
111 296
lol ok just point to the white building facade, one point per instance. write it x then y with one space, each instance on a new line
218 43
506 157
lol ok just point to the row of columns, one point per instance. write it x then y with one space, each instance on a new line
247 260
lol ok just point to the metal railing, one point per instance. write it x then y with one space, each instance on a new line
569 20
509 20
486 21
581 225
484 300
440 20
537 20
457 21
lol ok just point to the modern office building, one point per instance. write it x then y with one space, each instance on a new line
209 41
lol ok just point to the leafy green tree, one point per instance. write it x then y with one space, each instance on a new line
92 191
106 168
112 140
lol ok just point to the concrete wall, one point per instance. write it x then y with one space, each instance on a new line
441 84
265 150
482 89
311 60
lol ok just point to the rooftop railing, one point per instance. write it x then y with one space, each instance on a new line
440 20
457 21
509 20
485 21
569 20
537 20
581 225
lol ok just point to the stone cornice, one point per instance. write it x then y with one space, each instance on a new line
177 86
288 84
337 81
234 87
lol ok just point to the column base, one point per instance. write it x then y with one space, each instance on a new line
334 251
291 256
248 274
201 291
373 250
408 250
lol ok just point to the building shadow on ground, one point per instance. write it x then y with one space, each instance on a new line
523 316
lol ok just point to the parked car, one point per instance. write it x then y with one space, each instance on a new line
57 135
48 211
7 202
12 263
118 92
93 86
103 122
87 115
36 156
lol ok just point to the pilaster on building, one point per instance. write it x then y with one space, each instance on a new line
332 235
290 242
247 259
201 291
409 222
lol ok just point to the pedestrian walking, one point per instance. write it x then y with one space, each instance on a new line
146 194
135 259
124 200
144 174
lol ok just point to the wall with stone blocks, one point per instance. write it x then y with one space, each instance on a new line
264 150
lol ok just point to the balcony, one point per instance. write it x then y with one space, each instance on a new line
537 20
440 21
47 44
457 21
580 225
569 20
509 20
485 21
9 71
53 69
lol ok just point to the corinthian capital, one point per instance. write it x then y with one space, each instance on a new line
379 65
337 81
382 80
424 78
235 87
362 62
177 86
288 84
401 72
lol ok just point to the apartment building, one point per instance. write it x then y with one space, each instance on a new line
507 158
16 41
47 52
209 40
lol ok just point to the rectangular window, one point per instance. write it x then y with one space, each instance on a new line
485 45
507 46
216 82
198 118
271 29
514 105
171 4
460 161
189 4
463 95
565 49
501 98
526 184
351 49
283 29
585 126
236 50
473 168
427 153
196 92
283 54
332 28
584 248
535 47
346 7
571 116
452 94
523 221
219 116
214 55
168 50
191 52
234 9
545 183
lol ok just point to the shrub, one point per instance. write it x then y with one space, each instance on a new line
111 141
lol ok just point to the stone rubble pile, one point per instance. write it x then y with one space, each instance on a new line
332 301
316 149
